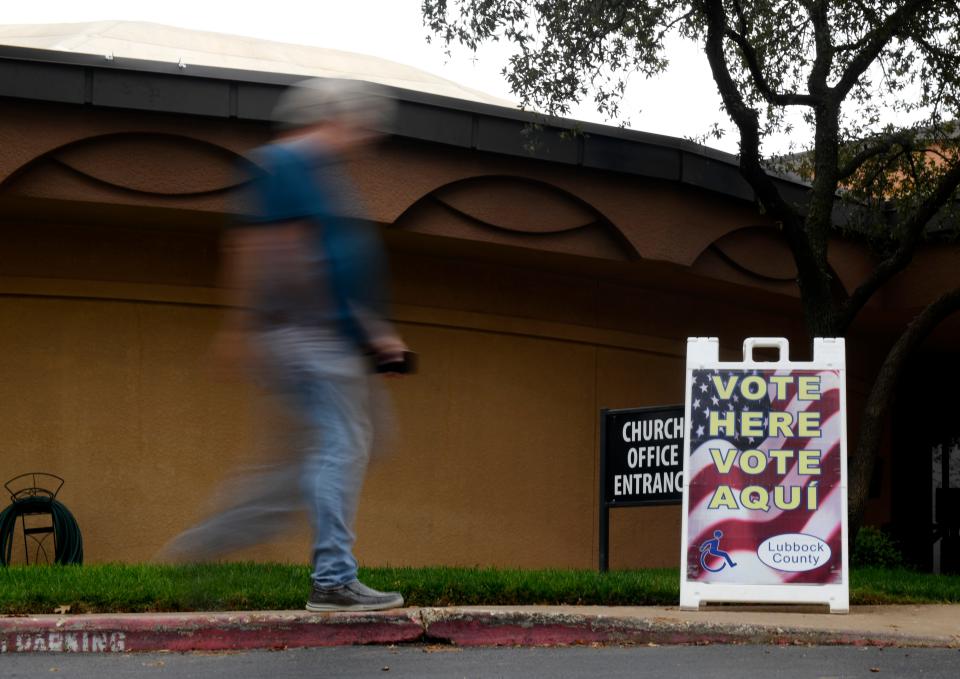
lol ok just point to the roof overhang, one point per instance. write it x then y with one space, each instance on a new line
135 84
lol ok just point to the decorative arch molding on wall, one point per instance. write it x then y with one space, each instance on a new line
31 130
133 168
661 220
756 251
519 211
756 255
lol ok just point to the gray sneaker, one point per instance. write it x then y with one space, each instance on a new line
353 596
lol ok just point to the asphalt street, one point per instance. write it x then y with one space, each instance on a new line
712 662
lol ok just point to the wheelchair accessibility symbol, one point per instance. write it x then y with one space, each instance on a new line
712 548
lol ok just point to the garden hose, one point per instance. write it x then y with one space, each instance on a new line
66 533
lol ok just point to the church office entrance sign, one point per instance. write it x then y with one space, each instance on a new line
641 462
765 503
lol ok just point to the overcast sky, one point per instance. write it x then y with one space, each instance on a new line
682 103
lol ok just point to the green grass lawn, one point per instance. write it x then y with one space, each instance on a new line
247 586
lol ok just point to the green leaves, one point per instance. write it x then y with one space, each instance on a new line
866 88
565 50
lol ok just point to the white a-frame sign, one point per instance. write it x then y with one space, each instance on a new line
765 465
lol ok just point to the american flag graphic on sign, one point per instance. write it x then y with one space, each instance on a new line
764 477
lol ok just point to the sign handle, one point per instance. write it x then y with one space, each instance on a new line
779 343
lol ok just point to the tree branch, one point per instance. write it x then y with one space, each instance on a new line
913 231
669 26
813 274
852 46
880 37
819 218
883 168
878 403
817 81
950 58
883 145
760 81
745 118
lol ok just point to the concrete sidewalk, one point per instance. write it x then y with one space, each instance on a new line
928 625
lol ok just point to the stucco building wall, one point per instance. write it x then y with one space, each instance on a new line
535 293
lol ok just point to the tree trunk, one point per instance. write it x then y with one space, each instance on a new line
865 454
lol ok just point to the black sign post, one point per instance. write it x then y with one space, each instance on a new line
641 462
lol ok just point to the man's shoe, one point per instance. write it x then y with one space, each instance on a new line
353 596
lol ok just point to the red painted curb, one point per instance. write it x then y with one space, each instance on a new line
292 629
493 633
510 629
204 632
480 628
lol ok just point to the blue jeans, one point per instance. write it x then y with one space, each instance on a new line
324 385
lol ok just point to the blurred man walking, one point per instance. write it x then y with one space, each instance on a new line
310 319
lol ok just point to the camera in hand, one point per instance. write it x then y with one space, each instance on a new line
406 366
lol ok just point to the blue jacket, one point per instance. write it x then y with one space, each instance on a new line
287 186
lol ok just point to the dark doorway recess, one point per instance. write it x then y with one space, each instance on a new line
926 462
